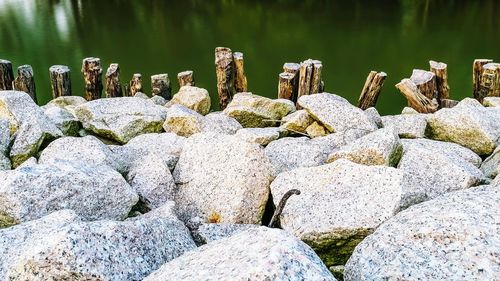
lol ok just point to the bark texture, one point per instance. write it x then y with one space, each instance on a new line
25 81
371 89
240 78
6 75
415 98
113 86
92 75
224 69
160 86
186 78
60 79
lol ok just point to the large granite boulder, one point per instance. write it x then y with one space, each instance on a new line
104 250
339 205
64 120
4 144
491 165
93 192
408 126
468 124
28 124
194 98
453 237
336 113
256 254
254 111
221 178
121 119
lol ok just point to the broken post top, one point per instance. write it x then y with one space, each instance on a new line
162 76
2 61
491 66
437 65
91 64
238 55
25 70
112 69
59 69
185 73
223 56
291 67
421 76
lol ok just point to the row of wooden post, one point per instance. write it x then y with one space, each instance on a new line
60 79
231 77
298 80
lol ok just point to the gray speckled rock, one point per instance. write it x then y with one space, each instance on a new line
255 254
262 136
254 111
219 122
158 100
20 238
65 101
491 165
298 121
121 119
336 113
29 125
491 101
454 237
340 203
409 110
194 98
64 120
4 144
209 232
430 173
372 112
382 147
468 124
407 126
93 192
150 177
105 250
221 178
182 121
291 153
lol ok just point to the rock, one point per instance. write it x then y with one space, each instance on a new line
20 238
340 203
291 153
219 122
209 232
158 100
182 121
87 150
141 95
408 126
64 120
253 111
409 110
105 250
262 136
221 178
491 165
29 125
93 192
4 162
373 114
468 124
150 177
316 130
4 144
381 147
336 113
297 121
453 237
121 119
256 254
194 98
66 101
491 101
430 173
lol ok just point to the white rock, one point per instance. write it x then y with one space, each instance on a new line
491 165
262 136
4 144
182 121
409 110
454 237
194 98
297 121
158 100
66 101
373 114
491 101
408 126
209 232
141 95
255 254
218 122
64 120
221 178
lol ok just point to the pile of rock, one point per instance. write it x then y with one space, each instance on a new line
136 188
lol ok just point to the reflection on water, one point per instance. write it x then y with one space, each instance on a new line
350 37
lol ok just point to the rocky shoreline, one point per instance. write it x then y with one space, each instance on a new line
139 188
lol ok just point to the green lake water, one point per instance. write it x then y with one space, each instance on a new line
349 37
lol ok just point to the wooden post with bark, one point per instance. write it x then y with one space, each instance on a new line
490 81
316 77
113 86
224 68
6 75
60 80
286 86
426 82
160 86
291 68
135 85
371 89
185 78
305 78
92 75
240 78
477 72
416 99
440 69
25 81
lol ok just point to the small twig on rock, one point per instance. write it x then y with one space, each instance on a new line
281 206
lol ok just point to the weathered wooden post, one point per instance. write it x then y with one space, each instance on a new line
416 99
447 103
186 78
490 81
6 75
293 68
25 81
92 75
113 86
371 89
426 82
240 78
477 71
135 85
60 79
305 77
224 68
160 86
286 86
316 77
440 69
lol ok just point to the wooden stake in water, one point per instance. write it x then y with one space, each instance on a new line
286 85
6 75
186 78
490 81
25 81
135 85
305 77
240 80
477 71
92 75
224 69
416 99
426 82
60 79
113 86
316 77
441 71
371 89
160 86
292 68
